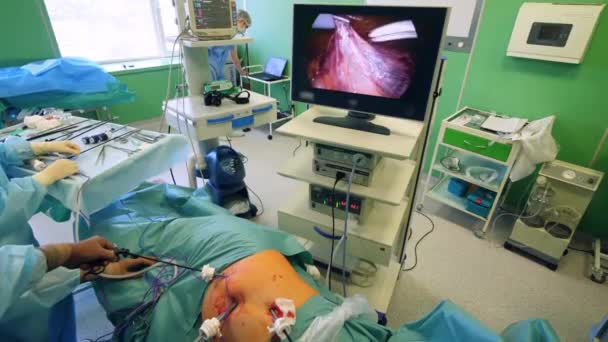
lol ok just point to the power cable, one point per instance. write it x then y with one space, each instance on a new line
419 241
332 202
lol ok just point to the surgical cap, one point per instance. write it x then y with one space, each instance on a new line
245 16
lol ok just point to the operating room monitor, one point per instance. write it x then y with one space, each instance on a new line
212 19
367 59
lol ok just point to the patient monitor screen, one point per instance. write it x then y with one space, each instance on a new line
369 54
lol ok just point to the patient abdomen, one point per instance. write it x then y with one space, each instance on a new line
254 283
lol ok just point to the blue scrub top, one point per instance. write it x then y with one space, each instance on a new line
31 302
218 56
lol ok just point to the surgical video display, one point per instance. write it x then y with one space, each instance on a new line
362 54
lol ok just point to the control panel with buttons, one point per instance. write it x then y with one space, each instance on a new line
573 174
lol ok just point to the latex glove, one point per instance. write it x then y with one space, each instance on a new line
93 251
67 147
60 169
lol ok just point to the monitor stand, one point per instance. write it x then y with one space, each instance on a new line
354 120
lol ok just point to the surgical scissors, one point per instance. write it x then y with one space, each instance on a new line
102 153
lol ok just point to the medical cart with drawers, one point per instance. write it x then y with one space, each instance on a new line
472 166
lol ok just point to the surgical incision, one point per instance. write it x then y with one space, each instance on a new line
362 54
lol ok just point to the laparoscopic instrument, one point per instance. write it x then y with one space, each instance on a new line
80 131
211 327
207 272
123 252
54 131
100 137
107 141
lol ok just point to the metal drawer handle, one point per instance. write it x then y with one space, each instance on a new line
466 142
326 235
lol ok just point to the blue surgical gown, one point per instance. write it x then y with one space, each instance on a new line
218 55
20 199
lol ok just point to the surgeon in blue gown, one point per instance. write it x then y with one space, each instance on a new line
24 269
20 198
23 287
29 308
218 55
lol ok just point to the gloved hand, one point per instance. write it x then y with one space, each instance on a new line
60 169
55 146
93 251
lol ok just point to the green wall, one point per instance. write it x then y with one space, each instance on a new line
23 33
150 87
575 94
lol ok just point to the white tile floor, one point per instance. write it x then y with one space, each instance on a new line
494 285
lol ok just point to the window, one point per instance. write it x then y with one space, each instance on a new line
113 30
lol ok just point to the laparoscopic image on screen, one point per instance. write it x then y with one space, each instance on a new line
362 54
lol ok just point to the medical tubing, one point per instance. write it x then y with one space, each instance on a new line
133 255
346 213
141 240
156 290
77 213
521 215
259 199
171 169
168 93
420 241
131 275
183 100
339 176
78 205
131 316
365 273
